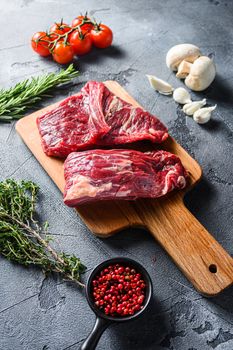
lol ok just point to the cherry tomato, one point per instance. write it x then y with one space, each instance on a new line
63 52
101 36
80 42
85 27
60 28
40 43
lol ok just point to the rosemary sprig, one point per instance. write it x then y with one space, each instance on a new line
23 240
16 100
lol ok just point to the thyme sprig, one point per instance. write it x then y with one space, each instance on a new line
23 240
16 100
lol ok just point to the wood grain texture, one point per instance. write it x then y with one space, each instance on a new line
189 244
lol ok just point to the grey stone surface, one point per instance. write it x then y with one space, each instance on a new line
38 313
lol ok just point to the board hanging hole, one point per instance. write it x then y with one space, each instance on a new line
213 268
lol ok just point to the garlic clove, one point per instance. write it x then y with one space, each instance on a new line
192 107
160 85
181 96
203 115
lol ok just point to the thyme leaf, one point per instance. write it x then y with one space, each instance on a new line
23 240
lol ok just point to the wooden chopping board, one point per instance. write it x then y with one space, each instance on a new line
201 258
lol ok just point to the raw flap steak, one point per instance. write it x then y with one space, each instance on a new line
96 117
75 124
120 174
128 123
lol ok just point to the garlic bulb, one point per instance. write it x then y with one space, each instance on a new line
160 85
181 96
192 107
203 115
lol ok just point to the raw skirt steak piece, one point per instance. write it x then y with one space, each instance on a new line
128 123
75 124
96 117
96 175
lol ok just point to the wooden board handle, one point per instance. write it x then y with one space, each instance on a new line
201 258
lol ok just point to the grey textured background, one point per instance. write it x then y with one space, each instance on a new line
38 313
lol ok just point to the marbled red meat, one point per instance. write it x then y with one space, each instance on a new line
96 175
128 123
75 124
96 117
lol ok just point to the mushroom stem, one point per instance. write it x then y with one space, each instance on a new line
183 69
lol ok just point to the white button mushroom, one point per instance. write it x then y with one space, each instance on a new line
203 115
181 96
201 75
181 52
160 85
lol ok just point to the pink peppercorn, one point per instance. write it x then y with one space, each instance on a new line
119 290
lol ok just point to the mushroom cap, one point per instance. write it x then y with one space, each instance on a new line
201 75
178 53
